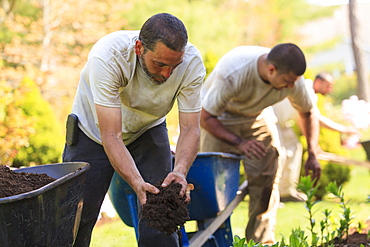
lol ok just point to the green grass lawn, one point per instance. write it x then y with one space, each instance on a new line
291 215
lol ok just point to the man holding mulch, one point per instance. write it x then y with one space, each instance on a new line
129 84
244 82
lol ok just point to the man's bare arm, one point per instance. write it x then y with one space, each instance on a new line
110 124
310 127
186 149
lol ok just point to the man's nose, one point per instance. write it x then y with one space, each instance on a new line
167 71
290 85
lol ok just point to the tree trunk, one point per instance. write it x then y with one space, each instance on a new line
363 87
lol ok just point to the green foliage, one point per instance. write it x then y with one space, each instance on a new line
332 172
199 18
297 238
238 242
210 60
15 127
326 236
307 186
30 9
344 222
5 35
46 144
345 86
217 26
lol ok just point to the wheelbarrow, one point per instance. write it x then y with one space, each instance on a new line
48 216
216 193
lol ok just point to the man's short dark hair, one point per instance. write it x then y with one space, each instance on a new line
165 28
287 58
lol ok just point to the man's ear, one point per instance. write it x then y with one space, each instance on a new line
271 68
139 48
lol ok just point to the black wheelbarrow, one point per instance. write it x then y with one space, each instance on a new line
48 216
216 193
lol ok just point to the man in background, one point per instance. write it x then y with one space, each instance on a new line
291 150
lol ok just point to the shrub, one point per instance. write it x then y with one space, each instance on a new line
15 127
46 144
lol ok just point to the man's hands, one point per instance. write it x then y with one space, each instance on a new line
252 148
313 168
171 177
143 188
178 177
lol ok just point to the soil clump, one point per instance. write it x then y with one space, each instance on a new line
15 183
166 211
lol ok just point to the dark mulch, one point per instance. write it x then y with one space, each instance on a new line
166 211
355 238
14 183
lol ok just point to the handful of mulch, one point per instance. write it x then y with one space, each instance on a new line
166 211
15 183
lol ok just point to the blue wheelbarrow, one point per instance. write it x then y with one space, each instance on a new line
216 193
48 216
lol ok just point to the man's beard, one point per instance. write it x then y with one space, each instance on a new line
152 77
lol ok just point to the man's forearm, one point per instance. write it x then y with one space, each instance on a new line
218 130
310 126
121 160
186 149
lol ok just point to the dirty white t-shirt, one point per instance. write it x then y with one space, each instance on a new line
112 77
235 92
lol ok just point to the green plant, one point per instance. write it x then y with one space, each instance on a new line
297 238
344 222
307 186
326 236
238 242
